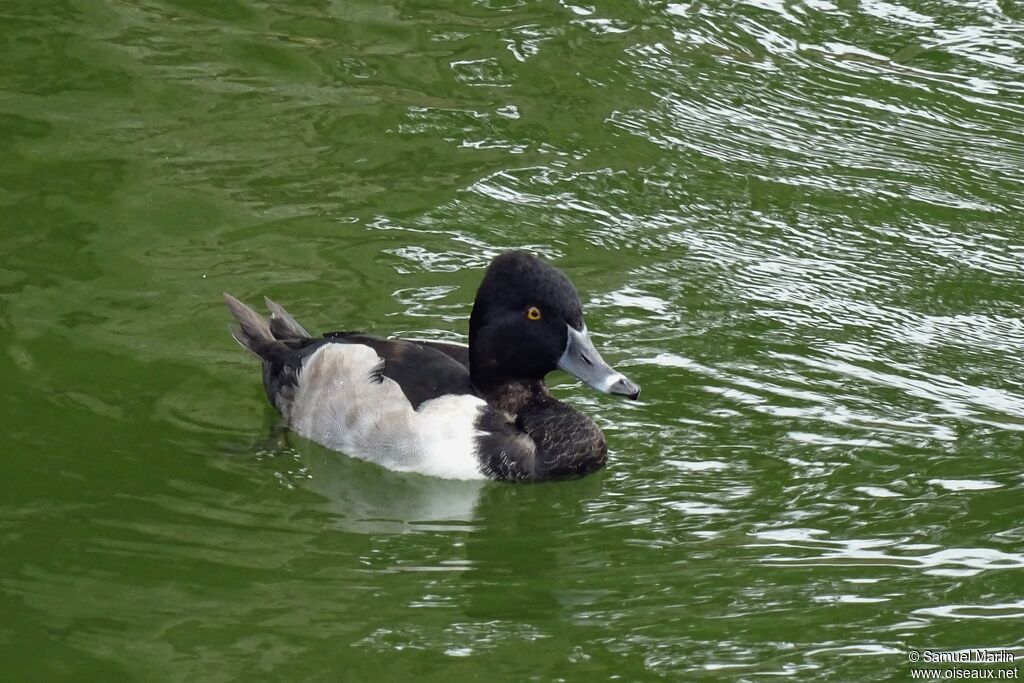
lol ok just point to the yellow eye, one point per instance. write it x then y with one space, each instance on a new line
533 313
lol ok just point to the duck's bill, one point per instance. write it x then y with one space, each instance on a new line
582 360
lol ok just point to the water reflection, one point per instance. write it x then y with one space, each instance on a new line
368 499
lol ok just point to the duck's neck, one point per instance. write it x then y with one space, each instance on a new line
494 385
513 395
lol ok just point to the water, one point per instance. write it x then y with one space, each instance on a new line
796 224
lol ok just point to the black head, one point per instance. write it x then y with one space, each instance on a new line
527 321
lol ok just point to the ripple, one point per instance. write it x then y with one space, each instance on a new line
1008 610
939 562
964 484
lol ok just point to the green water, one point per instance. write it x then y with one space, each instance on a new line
797 225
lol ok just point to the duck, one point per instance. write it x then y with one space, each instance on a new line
443 409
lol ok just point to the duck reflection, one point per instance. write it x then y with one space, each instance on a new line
523 546
366 498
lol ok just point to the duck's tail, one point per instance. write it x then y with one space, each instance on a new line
259 334
282 324
279 341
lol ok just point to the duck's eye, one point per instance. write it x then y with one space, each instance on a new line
533 313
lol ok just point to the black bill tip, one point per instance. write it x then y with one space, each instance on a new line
625 387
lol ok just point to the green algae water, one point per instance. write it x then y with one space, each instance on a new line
797 225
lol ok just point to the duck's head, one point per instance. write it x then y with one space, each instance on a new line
526 322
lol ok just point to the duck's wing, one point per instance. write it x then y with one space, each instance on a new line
424 370
458 352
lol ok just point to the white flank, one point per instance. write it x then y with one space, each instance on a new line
338 405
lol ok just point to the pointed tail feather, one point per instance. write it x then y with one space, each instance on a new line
283 325
252 331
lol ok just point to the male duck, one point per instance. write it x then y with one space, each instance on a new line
439 408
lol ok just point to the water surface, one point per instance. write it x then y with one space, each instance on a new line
796 224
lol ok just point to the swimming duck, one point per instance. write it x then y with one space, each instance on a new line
443 409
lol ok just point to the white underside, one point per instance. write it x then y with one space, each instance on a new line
338 405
